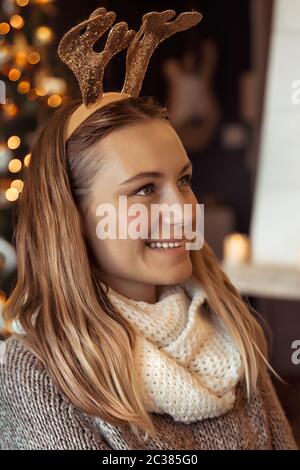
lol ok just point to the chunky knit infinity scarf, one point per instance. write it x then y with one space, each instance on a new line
187 362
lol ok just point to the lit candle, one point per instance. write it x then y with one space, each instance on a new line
236 249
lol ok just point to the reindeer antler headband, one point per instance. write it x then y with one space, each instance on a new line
76 50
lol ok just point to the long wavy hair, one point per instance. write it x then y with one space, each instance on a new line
85 345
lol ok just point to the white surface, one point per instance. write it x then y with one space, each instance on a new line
275 226
268 281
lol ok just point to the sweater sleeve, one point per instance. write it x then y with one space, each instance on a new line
33 413
282 436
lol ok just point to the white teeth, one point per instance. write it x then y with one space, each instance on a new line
164 245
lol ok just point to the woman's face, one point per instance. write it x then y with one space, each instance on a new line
146 164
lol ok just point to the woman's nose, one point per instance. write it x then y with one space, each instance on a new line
174 211
173 195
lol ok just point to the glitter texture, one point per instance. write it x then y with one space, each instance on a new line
76 50
155 28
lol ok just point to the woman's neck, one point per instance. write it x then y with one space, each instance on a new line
134 290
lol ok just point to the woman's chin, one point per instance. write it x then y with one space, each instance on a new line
176 276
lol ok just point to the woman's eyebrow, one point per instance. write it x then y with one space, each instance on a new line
153 174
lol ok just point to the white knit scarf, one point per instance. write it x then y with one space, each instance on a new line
186 361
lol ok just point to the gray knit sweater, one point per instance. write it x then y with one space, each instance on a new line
34 414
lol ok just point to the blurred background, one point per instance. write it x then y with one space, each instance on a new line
232 88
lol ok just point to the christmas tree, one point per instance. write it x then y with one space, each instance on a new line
33 83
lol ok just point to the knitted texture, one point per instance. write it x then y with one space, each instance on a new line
34 414
187 363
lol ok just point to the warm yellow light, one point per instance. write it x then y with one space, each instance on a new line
18 184
21 59
12 194
53 85
14 74
23 87
43 34
27 159
54 101
41 92
13 142
4 28
10 109
17 21
33 57
236 249
22 3
15 165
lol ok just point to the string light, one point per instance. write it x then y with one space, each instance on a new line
4 54
14 74
10 109
4 28
22 3
21 59
18 185
43 34
13 142
41 92
54 101
21 56
14 165
24 87
12 194
17 21
33 57
27 159
53 85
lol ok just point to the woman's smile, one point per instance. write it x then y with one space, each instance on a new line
171 247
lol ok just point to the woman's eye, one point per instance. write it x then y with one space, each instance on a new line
186 180
148 189
145 190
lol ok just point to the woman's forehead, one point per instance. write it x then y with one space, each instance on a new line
143 146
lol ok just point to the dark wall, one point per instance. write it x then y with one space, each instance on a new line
220 175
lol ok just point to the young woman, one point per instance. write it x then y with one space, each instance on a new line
125 343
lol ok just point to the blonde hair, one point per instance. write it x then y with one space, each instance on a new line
85 345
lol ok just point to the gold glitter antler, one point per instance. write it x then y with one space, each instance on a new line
153 31
76 50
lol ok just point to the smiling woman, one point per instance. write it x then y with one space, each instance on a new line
122 343
125 338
